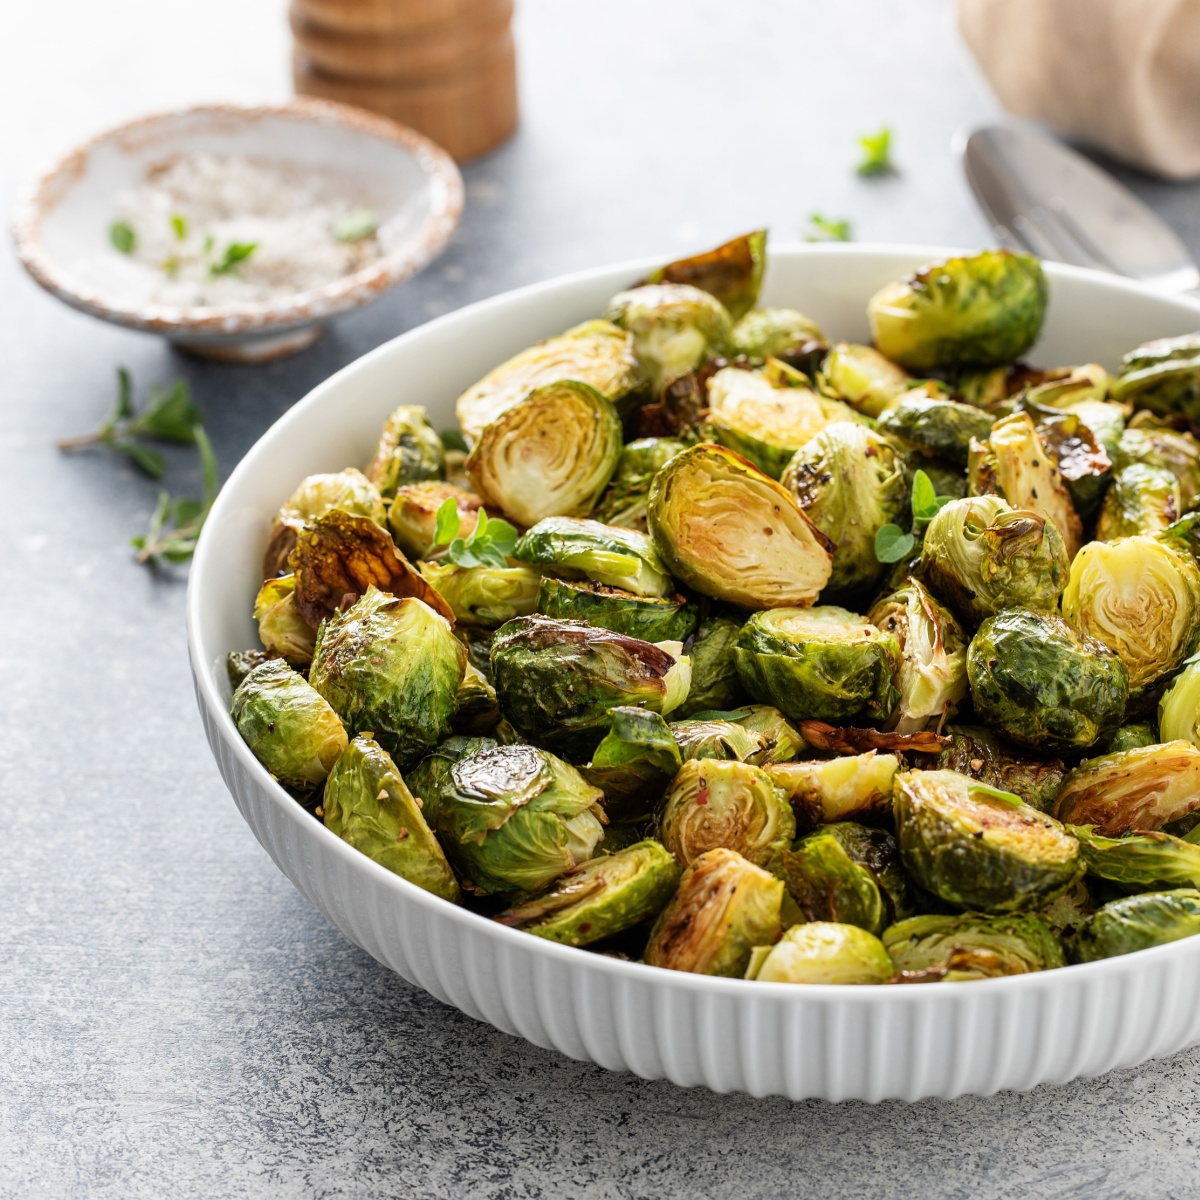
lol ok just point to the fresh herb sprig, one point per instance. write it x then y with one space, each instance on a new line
891 542
877 153
489 544
235 254
177 521
826 229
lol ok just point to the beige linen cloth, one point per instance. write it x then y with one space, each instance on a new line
1122 75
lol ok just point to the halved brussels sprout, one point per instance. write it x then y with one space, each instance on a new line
730 532
675 327
596 353
723 908
730 804
551 454
391 666
349 490
981 555
972 946
579 549
485 596
714 737
409 451
1142 789
1137 923
1081 456
1141 598
1179 453
848 873
732 272
855 786
367 804
983 309
861 376
239 664
822 952
1163 376
1140 499
937 426
429 777
281 628
477 710
977 849
600 898
288 726
781 333
818 662
624 503
1043 683
514 818
634 763
781 740
1179 708
1140 860
932 679
559 680
412 515
979 753
850 482
646 617
1014 463
715 684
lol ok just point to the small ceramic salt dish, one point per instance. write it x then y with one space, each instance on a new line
402 191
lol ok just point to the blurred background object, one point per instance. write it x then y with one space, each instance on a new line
445 67
1120 75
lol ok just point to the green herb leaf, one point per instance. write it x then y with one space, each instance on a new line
124 408
170 416
180 226
235 253
490 544
877 149
355 225
926 503
147 460
448 522
996 793
892 544
175 524
123 237
823 229
452 439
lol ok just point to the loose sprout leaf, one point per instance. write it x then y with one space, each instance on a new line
825 229
996 793
355 225
452 439
892 544
123 237
877 150
180 226
235 254
448 522
848 739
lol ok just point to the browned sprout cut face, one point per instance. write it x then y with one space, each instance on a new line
732 272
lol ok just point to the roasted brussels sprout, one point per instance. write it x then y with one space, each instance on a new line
558 680
1069 387
1163 376
725 529
983 310
514 818
412 515
1140 860
855 786
1141 598
818 662
822 952
1179 453
1081 455
979 753
981 555
850 482
485 596
861 376
281 628
577 549
1141 789
715 737
349 490
730 804
932 679
550 454
596 353
367 804
675 327
624 503
715 684
239 664
781 740
972 946
477 710
732 272
429 777
941 427
289 727
409 451
723 908
781 333
977 848
1179 708
1133 737
600 898
1137 923
1140 499
393 667
1043 683
649 618
633 764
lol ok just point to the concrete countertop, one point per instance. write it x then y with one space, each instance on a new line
175 1019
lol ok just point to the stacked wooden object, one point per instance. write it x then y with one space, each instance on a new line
445 67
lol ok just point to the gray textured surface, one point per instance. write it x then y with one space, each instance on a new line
174 1018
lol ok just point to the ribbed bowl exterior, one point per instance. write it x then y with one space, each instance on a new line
836 1043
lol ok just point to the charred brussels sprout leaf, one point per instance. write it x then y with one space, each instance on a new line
578 549
551 454
281 628
1042 683
239 664
646 617
430 776
836 789
732 272
367 804
1163 376
634 763
1137 923
822 952
413 515
730 532
723 908
393 667
781 333
1140 499
943 428
971 946
863 378
1082 457
292 731
781 739
485 596
603 897
985 310
717 738
979 753
1140 860
974 850
409 451
1179 708
818 662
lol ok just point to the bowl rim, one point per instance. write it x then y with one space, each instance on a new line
299 308
1008 987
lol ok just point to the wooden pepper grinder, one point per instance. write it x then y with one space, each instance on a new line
445 67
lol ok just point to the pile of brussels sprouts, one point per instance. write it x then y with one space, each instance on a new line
712 644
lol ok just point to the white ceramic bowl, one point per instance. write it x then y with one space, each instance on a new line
835 1042
60 228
